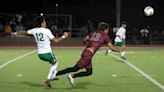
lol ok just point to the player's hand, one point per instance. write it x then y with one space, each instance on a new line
13 33
108 51
65 34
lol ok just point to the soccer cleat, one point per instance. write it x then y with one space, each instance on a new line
123 57
71 80
47 83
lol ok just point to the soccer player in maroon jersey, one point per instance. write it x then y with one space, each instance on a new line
94 41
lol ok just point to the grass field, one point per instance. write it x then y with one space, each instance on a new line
22 71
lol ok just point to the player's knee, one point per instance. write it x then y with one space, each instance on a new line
75 68
53 62
89 71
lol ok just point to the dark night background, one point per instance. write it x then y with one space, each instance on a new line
95 10
82 10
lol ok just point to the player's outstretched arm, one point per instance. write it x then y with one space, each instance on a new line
86 38
19 33
113 48
56 40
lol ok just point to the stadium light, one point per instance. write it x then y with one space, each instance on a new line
56 6
118 12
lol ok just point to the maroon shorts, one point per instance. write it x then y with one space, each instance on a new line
85 60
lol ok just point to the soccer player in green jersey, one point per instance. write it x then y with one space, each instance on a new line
120 40
43 37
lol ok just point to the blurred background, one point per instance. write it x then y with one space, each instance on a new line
80 16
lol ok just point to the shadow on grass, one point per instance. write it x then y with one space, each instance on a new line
22 84
78 86
119 61
33 84
83 85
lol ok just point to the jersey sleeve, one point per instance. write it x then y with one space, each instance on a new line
30 31
90 34
106 38
119 32
124 34
50 35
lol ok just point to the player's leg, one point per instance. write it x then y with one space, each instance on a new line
88 72
68 70
71 78
54 64
86 63
52 74
53 61
121 46
123 51
79 65
120 49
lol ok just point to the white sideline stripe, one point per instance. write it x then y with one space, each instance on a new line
140 71
10 61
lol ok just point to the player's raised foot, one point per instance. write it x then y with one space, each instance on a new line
47 83
71 80
122 57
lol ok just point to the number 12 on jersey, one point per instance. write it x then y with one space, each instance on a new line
39 36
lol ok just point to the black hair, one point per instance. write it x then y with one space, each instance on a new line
123 22
90 26
39 20
103 26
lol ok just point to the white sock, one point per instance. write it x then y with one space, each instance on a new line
123 53
52 70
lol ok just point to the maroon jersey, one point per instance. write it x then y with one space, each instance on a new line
97 39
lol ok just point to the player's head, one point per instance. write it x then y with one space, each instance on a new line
41 21
124 24
103 26
90 26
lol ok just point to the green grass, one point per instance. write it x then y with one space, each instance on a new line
34 71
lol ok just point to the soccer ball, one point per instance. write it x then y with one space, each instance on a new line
148 11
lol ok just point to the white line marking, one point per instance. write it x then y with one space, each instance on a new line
141 72
114 75
19 75
10 61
